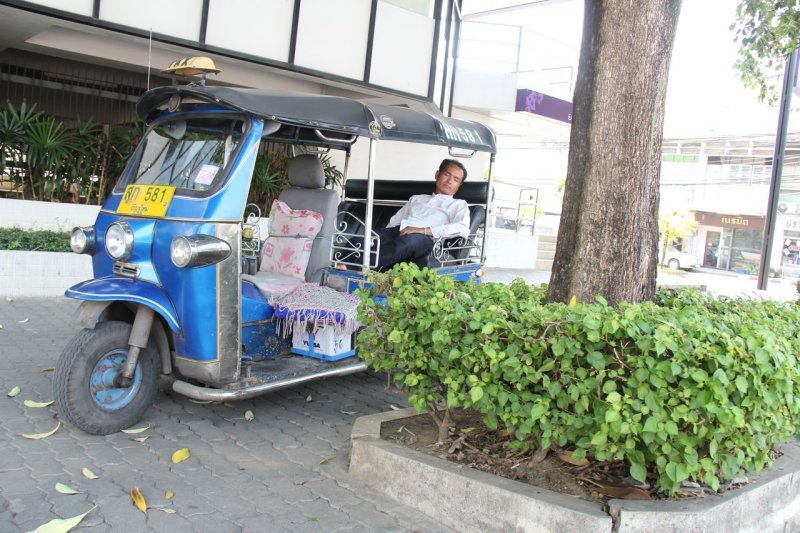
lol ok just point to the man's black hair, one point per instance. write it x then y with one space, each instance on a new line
446 162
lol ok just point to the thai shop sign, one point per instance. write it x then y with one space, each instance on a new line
729 221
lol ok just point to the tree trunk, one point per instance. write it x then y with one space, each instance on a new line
608 238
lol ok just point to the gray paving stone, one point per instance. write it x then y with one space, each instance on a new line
272 473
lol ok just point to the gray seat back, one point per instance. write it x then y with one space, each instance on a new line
306 191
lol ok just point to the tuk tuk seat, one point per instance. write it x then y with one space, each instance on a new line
389 197
307 191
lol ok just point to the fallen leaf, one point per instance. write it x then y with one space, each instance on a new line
169 495
1 326
200 401
166 510
467 430
394 407
400 429
141 439
134 431
248 415
572 302
566 456
309 399
180 455
625 492
64 489
349 412
37 436
31 403
9 299
313 519
24 320
325 459
13 392
88 473
138 500
48 369
62 525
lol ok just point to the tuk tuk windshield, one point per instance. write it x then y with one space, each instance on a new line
190 154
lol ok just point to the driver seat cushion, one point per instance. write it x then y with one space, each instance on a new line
306 191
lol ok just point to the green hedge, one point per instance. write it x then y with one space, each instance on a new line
39 240
688 386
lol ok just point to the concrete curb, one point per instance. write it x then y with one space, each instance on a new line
470 500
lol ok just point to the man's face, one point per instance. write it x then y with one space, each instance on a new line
449 180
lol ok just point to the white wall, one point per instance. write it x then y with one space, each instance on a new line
178 18
332 39
79 7
261 28
52 216
402 47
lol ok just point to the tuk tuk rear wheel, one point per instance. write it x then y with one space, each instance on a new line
86 380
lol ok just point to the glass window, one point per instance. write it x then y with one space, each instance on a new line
191 155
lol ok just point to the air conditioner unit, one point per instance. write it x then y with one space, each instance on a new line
787 208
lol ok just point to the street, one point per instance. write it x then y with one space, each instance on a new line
286 470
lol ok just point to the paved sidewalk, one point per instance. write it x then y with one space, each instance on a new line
284 471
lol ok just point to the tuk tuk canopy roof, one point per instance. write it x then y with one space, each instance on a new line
334 114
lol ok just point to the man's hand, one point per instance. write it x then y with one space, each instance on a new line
414 229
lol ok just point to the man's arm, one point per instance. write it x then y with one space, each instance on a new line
458 226
398 217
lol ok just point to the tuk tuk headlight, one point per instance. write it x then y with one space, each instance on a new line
119 241
198 250
83 240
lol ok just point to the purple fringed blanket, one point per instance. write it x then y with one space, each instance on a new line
311 303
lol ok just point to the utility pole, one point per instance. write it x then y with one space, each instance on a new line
777 170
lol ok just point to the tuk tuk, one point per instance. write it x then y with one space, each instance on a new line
177 288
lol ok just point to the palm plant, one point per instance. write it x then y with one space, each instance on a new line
49 146
14 125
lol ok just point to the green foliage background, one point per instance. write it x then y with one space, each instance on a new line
36 241
688 386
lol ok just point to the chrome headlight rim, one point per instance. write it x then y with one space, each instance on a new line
124 239
83 240
191 251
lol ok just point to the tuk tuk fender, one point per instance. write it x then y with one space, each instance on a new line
91 312
112 289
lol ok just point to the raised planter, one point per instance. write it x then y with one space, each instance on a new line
41 273
470 500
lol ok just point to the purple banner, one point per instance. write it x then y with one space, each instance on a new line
544 105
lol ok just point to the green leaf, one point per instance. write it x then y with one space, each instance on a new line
395 336
741 384
596 359
476 393
638 472
538 410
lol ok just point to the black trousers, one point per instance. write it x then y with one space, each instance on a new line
396 248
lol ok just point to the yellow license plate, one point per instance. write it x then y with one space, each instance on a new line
146 200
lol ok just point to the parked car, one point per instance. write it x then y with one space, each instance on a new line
676 259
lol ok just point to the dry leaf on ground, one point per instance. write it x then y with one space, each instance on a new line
134 431
138 500
309 399
88 473
13 392
625 492
65 489
181 455
566 456
141 439
248 415
37 436
31 403
24 320
169 495
62 525
48 369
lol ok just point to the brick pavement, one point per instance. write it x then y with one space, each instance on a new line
284 471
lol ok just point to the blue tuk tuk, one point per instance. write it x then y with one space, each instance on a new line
177 289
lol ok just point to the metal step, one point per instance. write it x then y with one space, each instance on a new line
267 376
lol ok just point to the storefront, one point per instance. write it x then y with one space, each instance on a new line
730 242
787 244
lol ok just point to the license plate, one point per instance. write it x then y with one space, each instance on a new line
146 200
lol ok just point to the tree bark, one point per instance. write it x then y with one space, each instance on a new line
608 237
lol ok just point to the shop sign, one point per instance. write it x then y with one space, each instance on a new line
729 221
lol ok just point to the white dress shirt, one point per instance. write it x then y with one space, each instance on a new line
442 213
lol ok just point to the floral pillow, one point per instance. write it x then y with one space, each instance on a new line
291 236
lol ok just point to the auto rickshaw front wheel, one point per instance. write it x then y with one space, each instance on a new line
87 380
